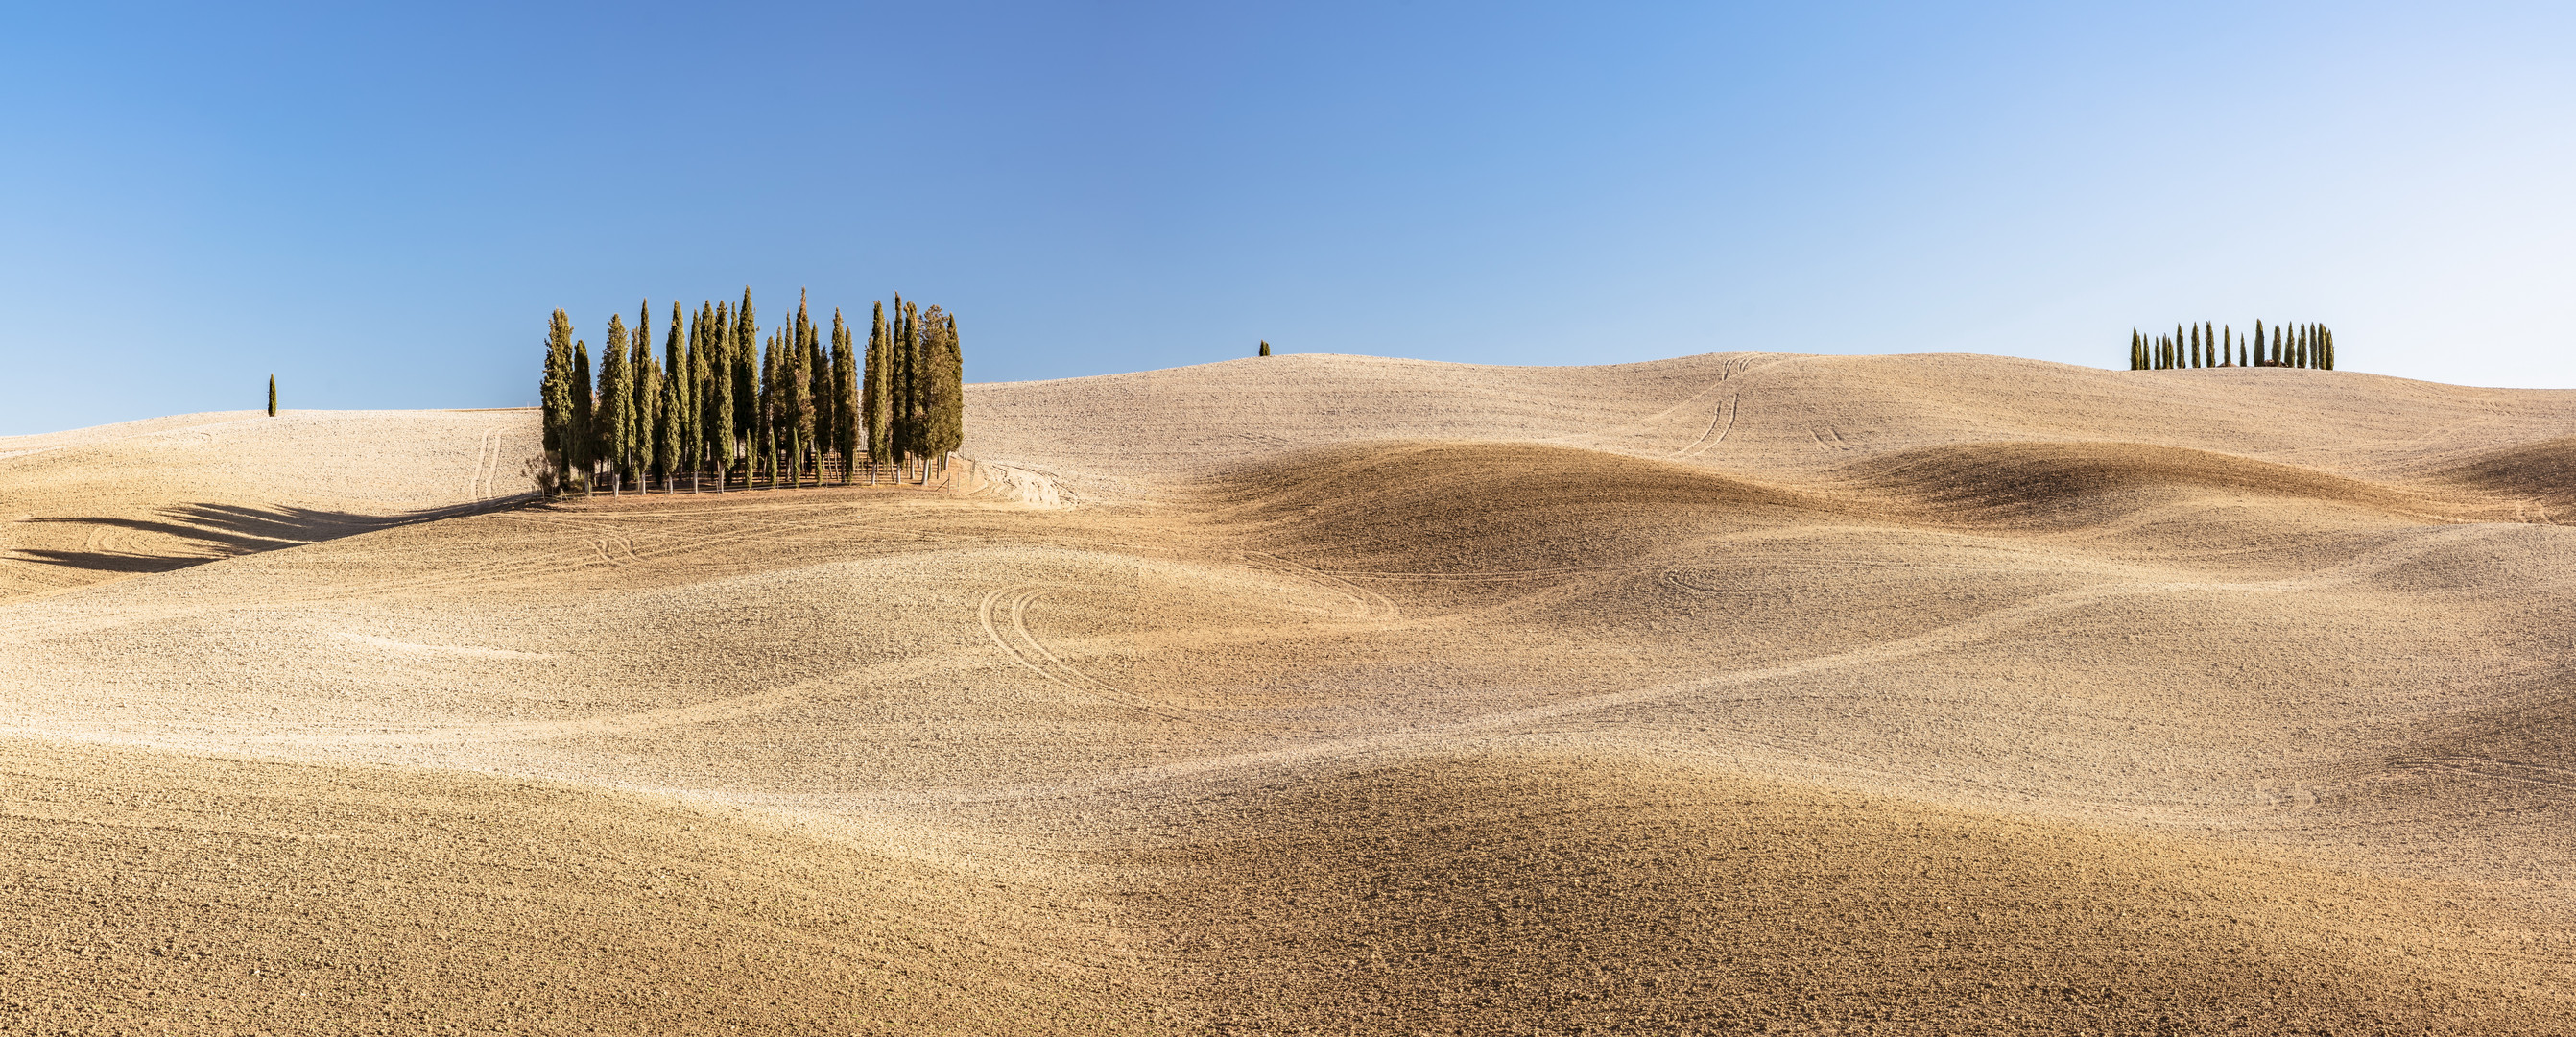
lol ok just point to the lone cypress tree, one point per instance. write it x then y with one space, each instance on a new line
272 395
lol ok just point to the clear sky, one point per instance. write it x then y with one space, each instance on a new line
381 206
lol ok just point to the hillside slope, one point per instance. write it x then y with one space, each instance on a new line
1729 693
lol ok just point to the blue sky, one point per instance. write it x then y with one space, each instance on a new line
381 206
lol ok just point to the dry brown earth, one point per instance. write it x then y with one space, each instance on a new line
1733 693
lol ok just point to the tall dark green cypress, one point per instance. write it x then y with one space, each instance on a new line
673 415
817 422
845 397
581 438
272 395
554 396
909 381
721 424
876 393
610 421
746 380
639 412
2137 357
952 390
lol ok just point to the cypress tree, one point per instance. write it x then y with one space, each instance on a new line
670 417
581 437
689 394
773 400
2133 349
2280 346
819 435
939 389
876 393
639 413
613 399
952 380
2330 349
554 396
805 428
2195 346
746 381
845 397
272 395
1265 347
911 381
899 390
720 397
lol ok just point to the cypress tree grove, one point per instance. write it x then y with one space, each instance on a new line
876 394
845 398
1265 347
723 396
554 396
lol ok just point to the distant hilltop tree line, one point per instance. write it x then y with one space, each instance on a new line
2208 345
714 409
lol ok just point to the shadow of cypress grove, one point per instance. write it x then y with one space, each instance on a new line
201 533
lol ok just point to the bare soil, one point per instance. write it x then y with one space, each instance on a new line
1313 694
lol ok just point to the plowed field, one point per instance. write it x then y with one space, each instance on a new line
1735 693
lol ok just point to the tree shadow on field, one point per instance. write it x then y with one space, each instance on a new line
194 534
